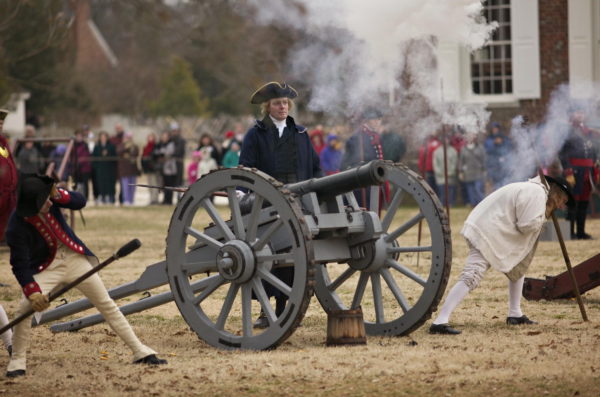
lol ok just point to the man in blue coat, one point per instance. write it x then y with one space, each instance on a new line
44 253
276 145
279 147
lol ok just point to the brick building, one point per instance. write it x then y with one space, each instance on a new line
92 50
539 45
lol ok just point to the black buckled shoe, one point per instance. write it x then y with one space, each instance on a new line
519 320
151 360
16 373
261 322
444 329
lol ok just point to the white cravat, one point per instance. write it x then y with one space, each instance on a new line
280 124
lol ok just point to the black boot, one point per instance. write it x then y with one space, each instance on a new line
571 219
580 215
16 373
151 359
261 322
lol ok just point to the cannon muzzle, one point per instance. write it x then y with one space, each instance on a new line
372 173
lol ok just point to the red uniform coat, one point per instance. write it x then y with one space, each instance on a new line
8 185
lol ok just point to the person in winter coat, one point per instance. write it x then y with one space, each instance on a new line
83 172
149 167
207 162
502 233
498 148
440 173
317 139
29 159
128 169
282 149
331 156
206 141
471 171
104 169
276 145
167 160
426 160
232 156
364 146
192 170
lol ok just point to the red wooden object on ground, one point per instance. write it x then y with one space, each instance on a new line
587 274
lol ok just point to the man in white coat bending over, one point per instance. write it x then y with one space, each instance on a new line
502 232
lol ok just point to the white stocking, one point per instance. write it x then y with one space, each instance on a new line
515 289
7 335
455 296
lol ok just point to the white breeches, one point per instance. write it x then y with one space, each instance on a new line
475 267
66 267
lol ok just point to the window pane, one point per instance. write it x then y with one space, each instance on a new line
497 69
497 52
497 87
506 15
491 66
495 14
496 35
505 34
487 87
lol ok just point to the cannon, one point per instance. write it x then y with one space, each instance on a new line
351 255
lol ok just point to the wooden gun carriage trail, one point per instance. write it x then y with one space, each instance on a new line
219 258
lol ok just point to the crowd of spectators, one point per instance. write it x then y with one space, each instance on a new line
471 165
108 166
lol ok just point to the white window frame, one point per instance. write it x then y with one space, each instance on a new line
526 72
584 46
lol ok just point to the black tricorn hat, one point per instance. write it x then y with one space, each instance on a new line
564 186
371 113
272 90
3 114
33 193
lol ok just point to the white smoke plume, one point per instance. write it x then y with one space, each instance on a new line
539 145
359 50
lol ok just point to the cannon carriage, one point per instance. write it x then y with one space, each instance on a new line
350 253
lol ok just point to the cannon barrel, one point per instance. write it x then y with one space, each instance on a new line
372 173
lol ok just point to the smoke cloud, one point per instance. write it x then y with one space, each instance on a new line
535 145
359 51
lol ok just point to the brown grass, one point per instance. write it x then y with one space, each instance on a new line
559 357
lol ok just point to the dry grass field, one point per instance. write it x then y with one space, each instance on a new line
558 357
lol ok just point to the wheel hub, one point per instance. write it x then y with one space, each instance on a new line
370 256
235 261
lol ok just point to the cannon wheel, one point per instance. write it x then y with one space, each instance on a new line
404 290
218 284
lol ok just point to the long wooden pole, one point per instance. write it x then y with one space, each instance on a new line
123 251
563 248
559 235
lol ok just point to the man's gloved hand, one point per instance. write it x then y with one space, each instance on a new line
570 180
39 302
